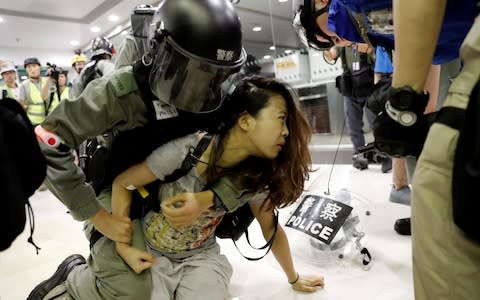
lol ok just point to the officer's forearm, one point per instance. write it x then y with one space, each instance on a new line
67 183
414 52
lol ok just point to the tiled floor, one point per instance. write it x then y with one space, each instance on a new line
388 278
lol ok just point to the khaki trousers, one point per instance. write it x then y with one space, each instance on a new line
106 276
446 265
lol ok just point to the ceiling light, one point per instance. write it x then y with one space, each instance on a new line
282 1
267 57
124 32
74 43
257 28
288 51
95 29
113 18
1 19
272 48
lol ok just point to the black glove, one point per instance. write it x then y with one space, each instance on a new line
401 128
378 97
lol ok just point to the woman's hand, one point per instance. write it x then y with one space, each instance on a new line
183 209
137 259
309 283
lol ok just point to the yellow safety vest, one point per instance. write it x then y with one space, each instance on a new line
36 105
55 101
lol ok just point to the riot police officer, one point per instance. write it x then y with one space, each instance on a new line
175 89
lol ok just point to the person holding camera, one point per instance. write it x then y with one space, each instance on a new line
55 88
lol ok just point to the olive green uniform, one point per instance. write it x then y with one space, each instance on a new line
446 264
128 53
110 103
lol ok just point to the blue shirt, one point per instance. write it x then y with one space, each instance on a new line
459 17
383 63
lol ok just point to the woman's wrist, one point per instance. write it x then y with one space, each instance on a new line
295 280
206 200
120 245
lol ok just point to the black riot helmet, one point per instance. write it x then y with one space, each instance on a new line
304 24
100 46
194 46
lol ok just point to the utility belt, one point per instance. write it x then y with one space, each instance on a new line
356 81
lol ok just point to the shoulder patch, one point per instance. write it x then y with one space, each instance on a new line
123 82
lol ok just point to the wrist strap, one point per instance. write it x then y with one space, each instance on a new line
295 281
404 117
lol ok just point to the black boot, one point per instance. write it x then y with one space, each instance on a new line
360 162
403 227
386 165
42 289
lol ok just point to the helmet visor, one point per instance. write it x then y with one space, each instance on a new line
187 82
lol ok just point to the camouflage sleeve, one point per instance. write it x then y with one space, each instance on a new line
108 103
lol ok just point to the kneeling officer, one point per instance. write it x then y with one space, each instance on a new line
173 90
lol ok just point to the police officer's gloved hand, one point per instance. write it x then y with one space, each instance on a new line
378 97
401 128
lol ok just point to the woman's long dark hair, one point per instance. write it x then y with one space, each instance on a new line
283 177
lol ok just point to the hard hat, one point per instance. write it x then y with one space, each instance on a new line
78 58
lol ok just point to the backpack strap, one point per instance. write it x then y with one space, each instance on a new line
267 246
191 160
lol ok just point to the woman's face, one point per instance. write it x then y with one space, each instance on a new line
62 80
268 130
